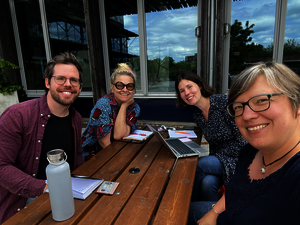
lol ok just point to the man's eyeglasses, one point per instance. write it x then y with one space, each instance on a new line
257 103
61 80
119 85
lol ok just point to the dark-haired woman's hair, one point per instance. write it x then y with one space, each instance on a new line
206 90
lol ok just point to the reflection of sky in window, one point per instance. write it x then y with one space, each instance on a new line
293 20
262 14
71 34
66 31
174 29
169 33
131 24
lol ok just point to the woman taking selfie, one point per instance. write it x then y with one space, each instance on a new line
264 103
114 116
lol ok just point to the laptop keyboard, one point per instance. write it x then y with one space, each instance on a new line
179 146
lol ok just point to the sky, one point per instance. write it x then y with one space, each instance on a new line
172 32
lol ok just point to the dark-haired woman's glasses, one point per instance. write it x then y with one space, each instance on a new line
61 80
119 85
257 103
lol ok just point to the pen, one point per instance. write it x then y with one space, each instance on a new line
180 132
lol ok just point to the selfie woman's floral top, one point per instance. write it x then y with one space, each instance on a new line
220 131
102 121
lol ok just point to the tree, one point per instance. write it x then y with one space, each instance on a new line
240 46
239 35
291 47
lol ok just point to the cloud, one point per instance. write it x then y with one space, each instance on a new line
169 33
262 14
172 32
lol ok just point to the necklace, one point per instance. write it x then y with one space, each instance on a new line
263 169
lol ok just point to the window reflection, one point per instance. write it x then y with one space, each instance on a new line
67 32
291 51
32 42
171 43
123 35
252 34
66 27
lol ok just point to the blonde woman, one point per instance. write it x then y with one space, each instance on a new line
114 116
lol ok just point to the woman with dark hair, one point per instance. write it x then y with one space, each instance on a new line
219 130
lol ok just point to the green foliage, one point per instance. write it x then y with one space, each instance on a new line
240 46
161 69
239 35
291 47
166 69
7 86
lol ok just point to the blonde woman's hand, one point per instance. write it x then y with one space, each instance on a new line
128 102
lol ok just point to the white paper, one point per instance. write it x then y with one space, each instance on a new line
138 135
185 139
82 188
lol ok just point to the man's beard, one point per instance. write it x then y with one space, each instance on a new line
55 96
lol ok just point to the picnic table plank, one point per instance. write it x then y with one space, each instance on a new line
145 199
113 169
106 210
98 160
33 213
176 199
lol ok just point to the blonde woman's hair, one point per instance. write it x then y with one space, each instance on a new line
123 69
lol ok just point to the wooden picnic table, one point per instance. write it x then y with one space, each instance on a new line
150 196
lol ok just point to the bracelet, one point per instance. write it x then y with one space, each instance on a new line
212 207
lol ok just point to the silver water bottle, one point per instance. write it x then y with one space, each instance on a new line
59 185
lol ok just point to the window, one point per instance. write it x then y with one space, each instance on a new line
252 34
32 42
171 43
122 31
291 50
66 28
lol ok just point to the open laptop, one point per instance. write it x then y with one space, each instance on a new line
178 148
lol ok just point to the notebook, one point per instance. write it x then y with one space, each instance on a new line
83 186
177 147
137 136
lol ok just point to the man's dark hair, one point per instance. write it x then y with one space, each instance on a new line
63 58
206 90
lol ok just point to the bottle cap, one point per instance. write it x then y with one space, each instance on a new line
55 155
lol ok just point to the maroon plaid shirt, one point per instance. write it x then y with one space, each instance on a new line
22 129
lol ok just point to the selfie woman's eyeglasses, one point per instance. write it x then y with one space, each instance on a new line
119 85
257 103
61 80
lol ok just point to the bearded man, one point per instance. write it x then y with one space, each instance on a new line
30 129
